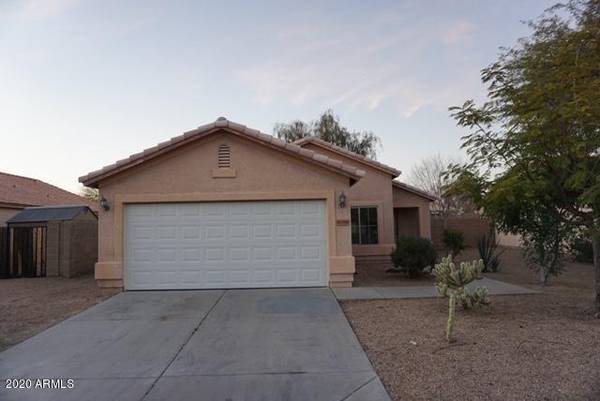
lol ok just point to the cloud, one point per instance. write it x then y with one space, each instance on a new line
43 9
383 61
459 33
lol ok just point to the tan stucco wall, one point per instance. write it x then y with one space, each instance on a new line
186 175
53 233
83 244
7 213
473 227
508 239
72 246
404 198
374 189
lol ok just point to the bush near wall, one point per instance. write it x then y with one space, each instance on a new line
471 225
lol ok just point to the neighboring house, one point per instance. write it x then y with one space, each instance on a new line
17 193
225 206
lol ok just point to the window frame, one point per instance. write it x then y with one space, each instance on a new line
371 227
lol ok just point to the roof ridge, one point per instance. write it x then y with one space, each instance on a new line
235 128
349 153
20 176
43 182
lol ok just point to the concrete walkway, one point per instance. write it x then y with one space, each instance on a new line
494 287
292 344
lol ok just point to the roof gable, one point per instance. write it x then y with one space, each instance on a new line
220 125
348 154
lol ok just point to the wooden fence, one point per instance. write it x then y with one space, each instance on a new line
4 270
23 251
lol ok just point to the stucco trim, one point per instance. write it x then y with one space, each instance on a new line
372 249
108 271
223 172
122 200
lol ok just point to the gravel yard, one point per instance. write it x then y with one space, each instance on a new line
31 305
526 347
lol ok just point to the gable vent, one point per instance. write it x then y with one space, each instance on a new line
224 156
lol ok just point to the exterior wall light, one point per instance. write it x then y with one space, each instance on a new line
104 204
342 200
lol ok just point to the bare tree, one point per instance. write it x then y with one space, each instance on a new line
428 175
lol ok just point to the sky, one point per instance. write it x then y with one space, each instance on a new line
84 83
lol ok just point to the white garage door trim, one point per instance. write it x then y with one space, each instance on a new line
254 244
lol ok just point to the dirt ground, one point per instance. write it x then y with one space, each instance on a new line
31 305
513 270
526 347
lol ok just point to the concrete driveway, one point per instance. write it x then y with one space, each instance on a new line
280 344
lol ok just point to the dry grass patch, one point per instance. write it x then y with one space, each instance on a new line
31 305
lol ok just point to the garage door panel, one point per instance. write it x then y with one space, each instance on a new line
189 232
190 254
311 274
226 245
239 232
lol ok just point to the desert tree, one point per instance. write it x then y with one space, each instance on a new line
90 193
534 144
328 128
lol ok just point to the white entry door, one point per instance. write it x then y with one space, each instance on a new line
226 245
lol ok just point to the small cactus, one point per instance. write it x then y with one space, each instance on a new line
451 282
479 297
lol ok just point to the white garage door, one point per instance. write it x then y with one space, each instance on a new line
226 245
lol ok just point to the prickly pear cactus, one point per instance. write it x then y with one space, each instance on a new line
451 282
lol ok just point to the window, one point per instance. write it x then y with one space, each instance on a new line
224 156
364 225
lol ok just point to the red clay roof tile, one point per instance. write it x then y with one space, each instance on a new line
92 178
345 152
24 191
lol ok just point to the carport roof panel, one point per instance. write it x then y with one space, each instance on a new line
52 213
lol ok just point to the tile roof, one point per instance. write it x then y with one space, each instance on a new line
345 152
49 213
21 191
221 123
414 190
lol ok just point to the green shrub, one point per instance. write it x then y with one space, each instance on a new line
488 246
413 254
454 241
581 249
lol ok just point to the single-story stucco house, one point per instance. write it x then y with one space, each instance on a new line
225 206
